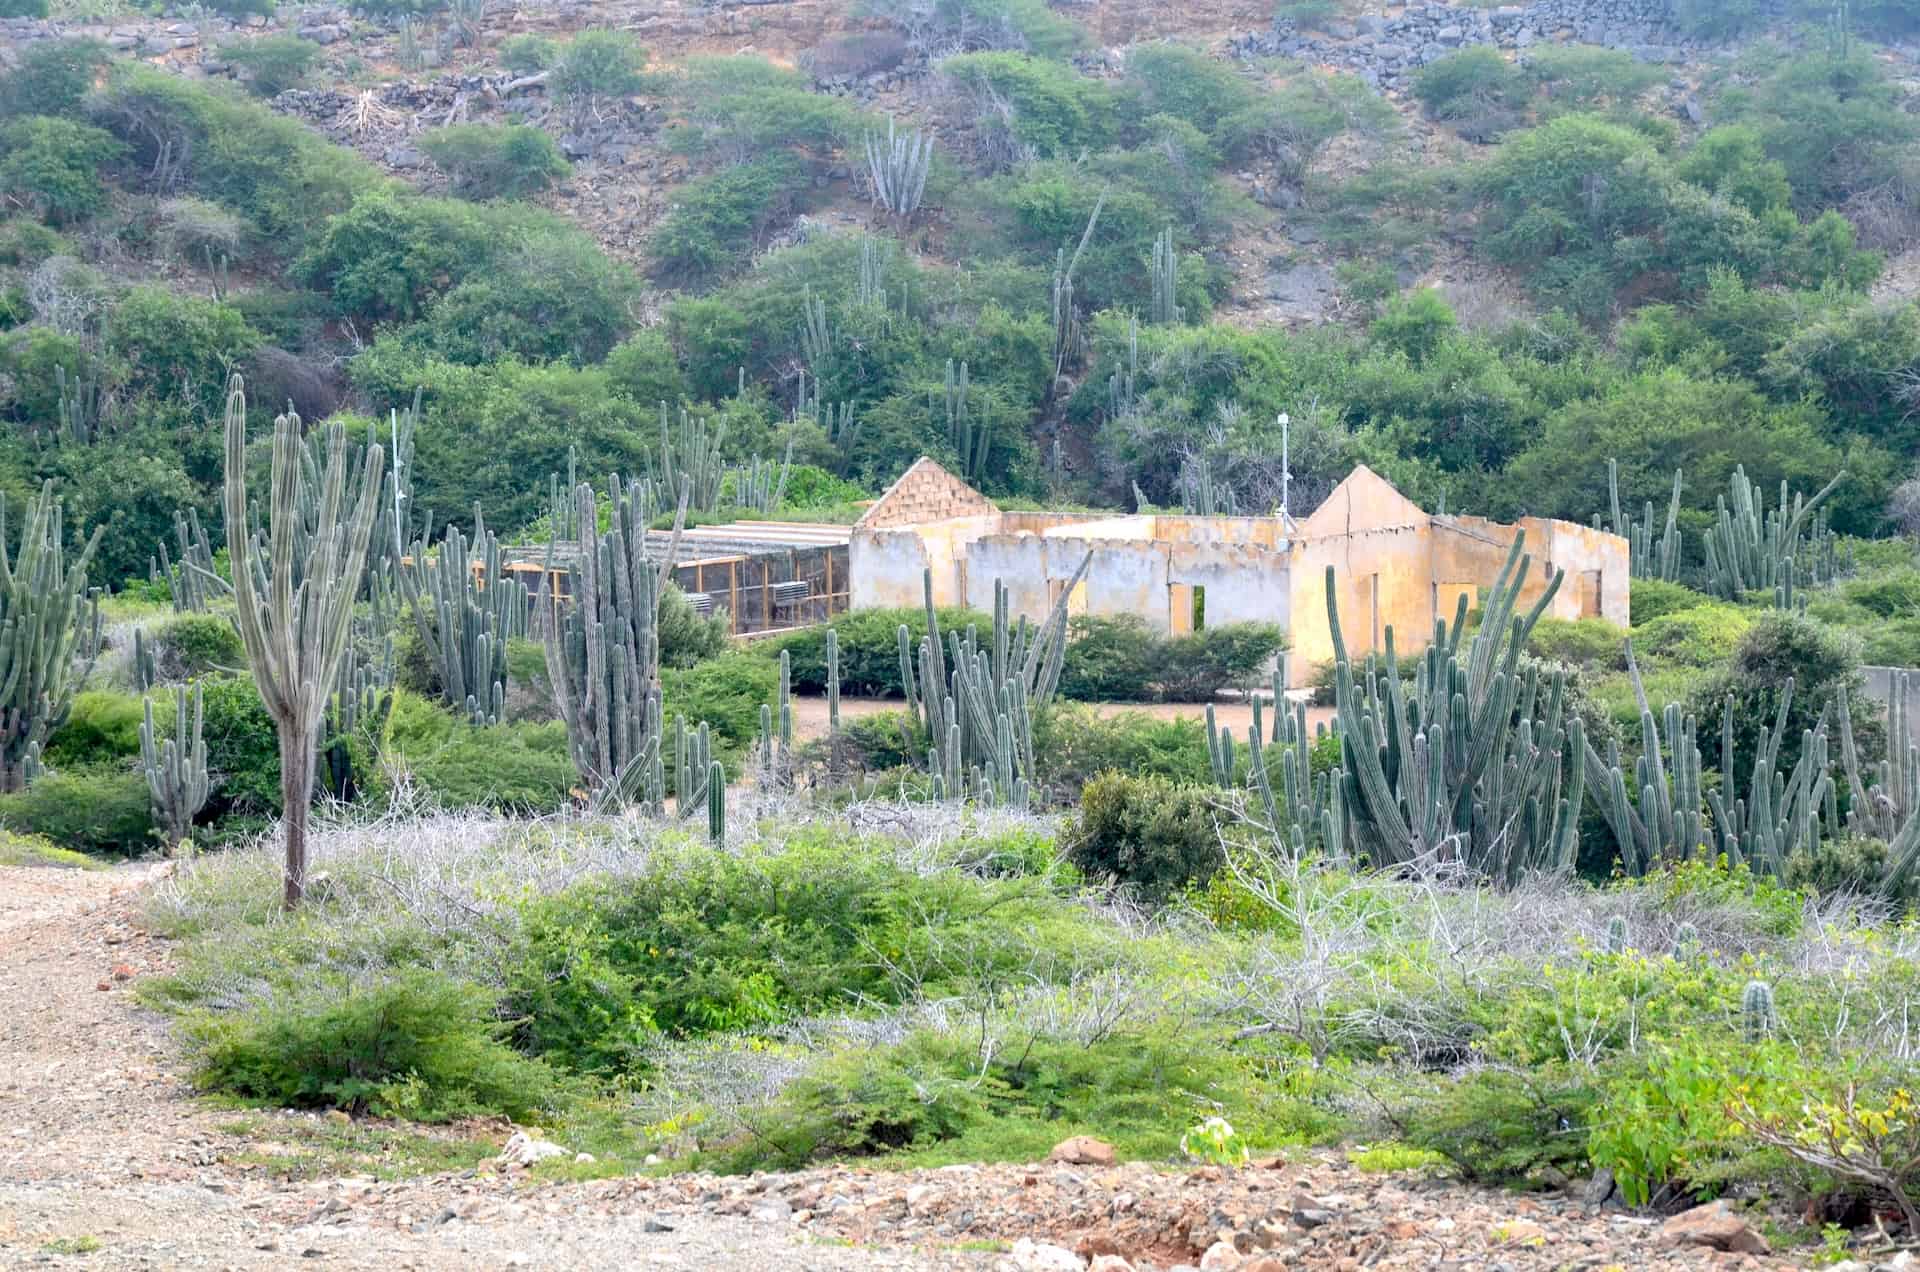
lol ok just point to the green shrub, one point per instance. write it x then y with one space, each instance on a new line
26 242
414 1044
23 8
52 77
598 64
1851 864
1780 648
1704 636
512 768
1656 598
238 9
526 54
685 637
1506 1127
1146 832
99 810
495 161
273 63
705 942
1475 86
718 219
1893 643
1039 103
242 747
192 645
1196 667
1108 659
1586 642
1587 77
725 693
1075 744
869 648
1895 594
178 345
102 727
54 165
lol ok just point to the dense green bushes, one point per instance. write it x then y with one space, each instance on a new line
487 161
719 218
1147 832
96 810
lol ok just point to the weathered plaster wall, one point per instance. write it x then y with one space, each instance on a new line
885 567
1246 583
1581 551
1382 578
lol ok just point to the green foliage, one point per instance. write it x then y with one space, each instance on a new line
494 161
178 345
646 369
1656 598
512 768
23 8
724 692
869 648
1503 1126
1476 88
1147 832
51 77
1073 744
526 54
685 637
1581 77
1196 667
718 219
1048 105
413 1044
96 810
705 942
188 646
1119 660
243 751
273 63
1586 642
1830 117
103 728
1851 865
1108 659
949 26
598 64
54 165
1416 324
1703 636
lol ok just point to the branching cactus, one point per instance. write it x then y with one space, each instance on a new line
294 582
1303 811
48 622
1648 558
1479 761
192 583
1885 800
176 767
1658 817
1781 813
1749 548
465 610
603 649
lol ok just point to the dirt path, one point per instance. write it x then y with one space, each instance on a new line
106 1161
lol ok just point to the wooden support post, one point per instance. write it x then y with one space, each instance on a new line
766 593
733 595
826 603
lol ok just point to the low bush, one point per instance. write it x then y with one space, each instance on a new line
192 645
717 220
1656 598
1894 594
1476 88
885 740
412 1043
869 648
101 727
725 693
1108 659
1586 642
1148 833
1074 744
1196 667
273 63
526 54
685 637
512 768
1517 1128
493 161
242 746
54 165
1704 636
104 809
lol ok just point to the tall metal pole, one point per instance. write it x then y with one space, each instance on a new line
1286 474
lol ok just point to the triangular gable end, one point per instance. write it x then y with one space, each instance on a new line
925 492
1364 501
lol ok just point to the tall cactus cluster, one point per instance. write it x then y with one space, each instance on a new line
690 458
176 766
603 650
1648 558
976 702
465 610
48 621
1479 761
969 436
1306 811
776 726
192 583
760 484
1781 813
1752 549
295 579
1165 270
1886 796
897 168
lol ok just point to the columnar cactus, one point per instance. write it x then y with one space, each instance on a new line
1668 822
1165 270
465 616
603 649
1647 558
1476 762
717 803
1749 548
1780 814
294 583
48 620
175 767
1616 942
970 438
192 583
1756 1011
690 458
1885 800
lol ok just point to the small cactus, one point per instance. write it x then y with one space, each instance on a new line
1756 1011
1617 934
717 803
1686 941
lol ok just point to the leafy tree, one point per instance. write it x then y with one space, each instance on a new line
51 77
173 345
273 63
54 164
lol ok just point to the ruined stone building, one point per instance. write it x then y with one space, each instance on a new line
1394 564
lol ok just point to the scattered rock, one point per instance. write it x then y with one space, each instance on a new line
1040 1256
1082 1150
1109 1263
522 1151
1221 1256
1716 1227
